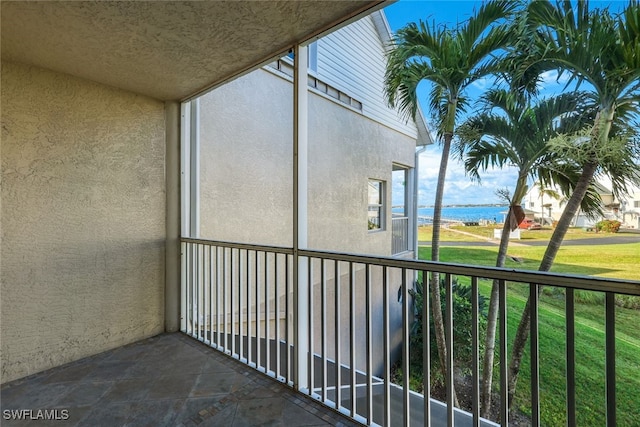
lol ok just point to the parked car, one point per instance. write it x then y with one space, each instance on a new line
529 224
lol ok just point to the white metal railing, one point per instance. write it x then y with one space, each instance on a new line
239 299
399 234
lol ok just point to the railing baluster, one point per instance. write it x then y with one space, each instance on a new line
267 337
276 309
196 293
310 360
286 323
352 337
385 343
218 326
504 391
225 297
188 305
240 330
426 351
258 344
323 327
337 338
535 355
406 414
367 284
183 286
571 357
201 294
232 286
249 346
449 346
610 356
207 293
475 365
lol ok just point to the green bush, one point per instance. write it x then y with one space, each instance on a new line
608 226
462 322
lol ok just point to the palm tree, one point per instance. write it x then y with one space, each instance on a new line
515 133
450 59
602 51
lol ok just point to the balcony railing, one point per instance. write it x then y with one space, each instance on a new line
335 331
399 234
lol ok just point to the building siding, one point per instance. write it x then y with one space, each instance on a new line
353 60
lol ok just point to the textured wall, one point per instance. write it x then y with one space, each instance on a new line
345 151
83 210
246 167
246 142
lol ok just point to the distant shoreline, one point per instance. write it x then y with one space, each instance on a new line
483 205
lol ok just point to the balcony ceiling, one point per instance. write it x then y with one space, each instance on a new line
167 50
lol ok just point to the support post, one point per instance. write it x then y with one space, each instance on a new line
172 225
300 265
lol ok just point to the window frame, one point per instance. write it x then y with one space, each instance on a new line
380 207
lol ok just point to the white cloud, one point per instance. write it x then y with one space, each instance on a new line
459 188
483 83
550 79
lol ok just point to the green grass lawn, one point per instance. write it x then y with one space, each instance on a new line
621 261
486 232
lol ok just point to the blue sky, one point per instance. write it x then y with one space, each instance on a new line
458 187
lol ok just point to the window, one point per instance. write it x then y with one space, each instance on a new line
636 203
399 206
376 205
532 204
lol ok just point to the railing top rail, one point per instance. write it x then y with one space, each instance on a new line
629 287
236 245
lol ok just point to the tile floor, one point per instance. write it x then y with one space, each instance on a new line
167 380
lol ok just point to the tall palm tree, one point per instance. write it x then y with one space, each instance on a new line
603 51
514 132
450 59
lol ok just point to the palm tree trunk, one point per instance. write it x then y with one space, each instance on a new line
492 322
522 334
492 315
436 306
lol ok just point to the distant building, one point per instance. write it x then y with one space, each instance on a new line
548 208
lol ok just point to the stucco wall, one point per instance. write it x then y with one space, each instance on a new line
83 217
246 162
246 167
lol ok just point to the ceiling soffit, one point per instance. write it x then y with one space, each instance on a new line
163 49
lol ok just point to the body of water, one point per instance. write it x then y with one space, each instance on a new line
464 214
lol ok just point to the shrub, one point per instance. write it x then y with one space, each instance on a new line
462 339
608 226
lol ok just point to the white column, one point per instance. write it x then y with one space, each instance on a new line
194 206
190 168
300 186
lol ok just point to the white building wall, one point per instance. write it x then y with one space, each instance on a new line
246 167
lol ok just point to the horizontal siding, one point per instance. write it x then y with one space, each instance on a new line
353 60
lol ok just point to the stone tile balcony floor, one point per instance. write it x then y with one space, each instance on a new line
167 380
